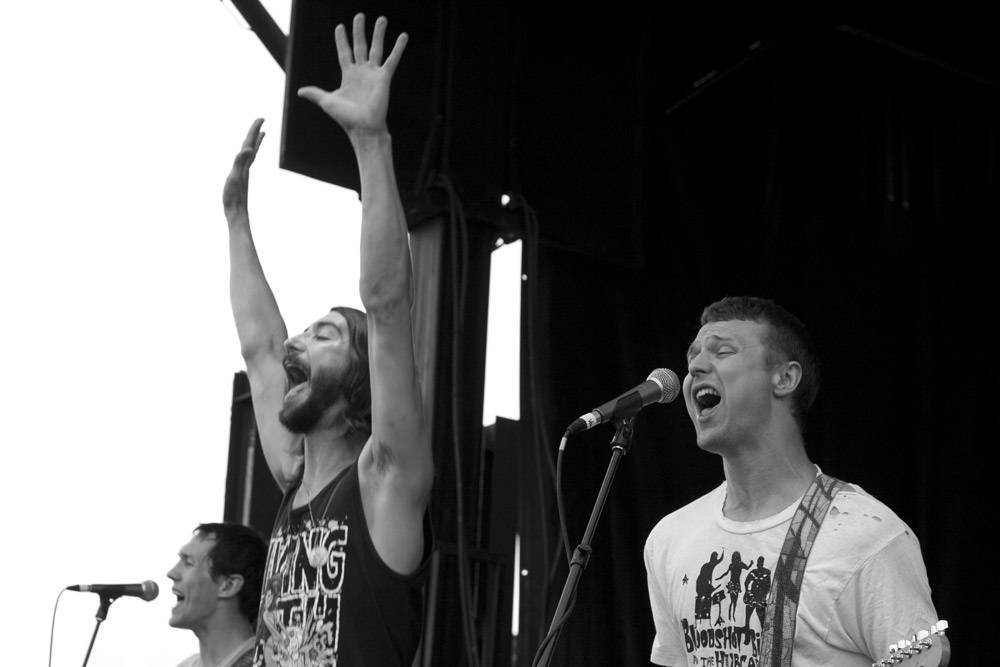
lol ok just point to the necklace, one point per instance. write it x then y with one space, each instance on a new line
316 552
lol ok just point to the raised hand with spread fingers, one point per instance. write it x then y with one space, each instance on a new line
362 100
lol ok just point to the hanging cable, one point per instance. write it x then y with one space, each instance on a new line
556 628
52 630
531 272
560 505
538 436
542 452
459 273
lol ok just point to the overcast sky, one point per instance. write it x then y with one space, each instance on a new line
121 119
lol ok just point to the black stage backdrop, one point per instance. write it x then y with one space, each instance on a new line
848 171
857 186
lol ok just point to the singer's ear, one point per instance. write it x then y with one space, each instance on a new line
230 585
786 378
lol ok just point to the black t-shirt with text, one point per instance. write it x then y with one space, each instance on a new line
328 598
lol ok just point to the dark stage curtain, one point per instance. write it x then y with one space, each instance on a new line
856 186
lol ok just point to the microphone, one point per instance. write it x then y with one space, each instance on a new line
662 386
147 590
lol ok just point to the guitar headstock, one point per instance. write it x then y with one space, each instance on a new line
927 648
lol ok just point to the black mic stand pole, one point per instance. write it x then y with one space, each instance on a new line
620 444
102 613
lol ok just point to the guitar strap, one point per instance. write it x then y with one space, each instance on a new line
778 631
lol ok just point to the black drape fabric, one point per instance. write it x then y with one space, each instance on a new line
857 187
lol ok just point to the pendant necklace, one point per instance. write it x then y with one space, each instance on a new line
317 553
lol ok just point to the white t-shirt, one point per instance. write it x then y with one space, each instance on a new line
864 587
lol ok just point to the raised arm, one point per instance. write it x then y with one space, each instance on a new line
259 325
396 466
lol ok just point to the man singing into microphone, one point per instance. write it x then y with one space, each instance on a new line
339 412
852 580
217 581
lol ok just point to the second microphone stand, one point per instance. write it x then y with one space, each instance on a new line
620 444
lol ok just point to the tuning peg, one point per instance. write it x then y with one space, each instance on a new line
884 662
917 642
892 657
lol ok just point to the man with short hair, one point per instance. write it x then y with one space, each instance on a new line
847 585
217 581
339 412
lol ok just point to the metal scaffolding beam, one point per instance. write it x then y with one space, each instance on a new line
260 21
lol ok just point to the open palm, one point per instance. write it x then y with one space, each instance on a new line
362 100
234 193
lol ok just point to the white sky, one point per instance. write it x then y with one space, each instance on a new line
121 119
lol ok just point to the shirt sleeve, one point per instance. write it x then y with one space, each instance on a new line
888 599
668 644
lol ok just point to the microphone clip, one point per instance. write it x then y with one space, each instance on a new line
622 439
104 606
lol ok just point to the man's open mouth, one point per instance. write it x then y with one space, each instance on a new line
295 374
705 399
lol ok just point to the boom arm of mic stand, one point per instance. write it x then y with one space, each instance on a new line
620 444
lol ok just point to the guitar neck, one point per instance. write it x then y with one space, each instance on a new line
927 648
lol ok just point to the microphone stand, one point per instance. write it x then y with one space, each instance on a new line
620 444
102 613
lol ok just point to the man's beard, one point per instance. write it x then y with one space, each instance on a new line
324 390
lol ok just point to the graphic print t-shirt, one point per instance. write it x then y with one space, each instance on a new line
864 587
349 611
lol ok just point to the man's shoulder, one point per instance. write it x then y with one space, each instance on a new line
859 523
854 500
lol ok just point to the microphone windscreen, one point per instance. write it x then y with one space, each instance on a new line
667 379
149 590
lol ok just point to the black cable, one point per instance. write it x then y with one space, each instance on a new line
531 228
561 509
458 247
553 634
538 440
52 630
542 446
530 264
560 506
542 449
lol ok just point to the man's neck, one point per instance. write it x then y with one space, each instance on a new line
221 637
763 479
326 453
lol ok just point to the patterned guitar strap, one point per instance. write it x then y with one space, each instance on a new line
783 599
